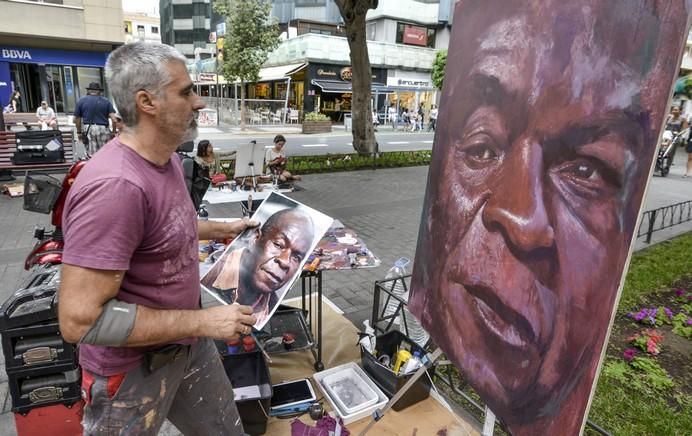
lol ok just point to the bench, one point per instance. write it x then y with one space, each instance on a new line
8 147
27 119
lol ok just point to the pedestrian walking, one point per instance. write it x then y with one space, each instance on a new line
91 118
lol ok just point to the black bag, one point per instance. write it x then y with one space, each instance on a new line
196 179
39 146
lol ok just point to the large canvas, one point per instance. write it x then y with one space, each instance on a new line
548 124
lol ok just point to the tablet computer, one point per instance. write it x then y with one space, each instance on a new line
292 393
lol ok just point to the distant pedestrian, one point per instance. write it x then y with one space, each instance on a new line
91 118
433 118
14 104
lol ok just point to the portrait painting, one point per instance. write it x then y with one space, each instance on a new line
259 267
547 129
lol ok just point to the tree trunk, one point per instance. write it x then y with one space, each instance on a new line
242 105
354 13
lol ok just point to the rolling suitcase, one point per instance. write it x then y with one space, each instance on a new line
39 146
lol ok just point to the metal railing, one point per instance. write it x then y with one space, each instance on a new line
663 218
387 306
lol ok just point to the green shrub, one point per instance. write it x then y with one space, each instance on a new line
315 116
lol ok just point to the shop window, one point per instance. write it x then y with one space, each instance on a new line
262 90
371 31
155 30
182 11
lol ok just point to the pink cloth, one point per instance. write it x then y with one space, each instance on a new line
322 427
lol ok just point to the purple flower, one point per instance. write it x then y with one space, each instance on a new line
689 321
629 354
679 292
640 315
669 313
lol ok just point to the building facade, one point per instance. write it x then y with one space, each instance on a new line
187 25
141 27
52 51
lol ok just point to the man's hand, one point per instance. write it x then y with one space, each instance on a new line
220 230
226 322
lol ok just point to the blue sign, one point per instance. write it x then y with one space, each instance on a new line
5 84
47 56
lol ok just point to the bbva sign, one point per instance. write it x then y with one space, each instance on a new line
15 54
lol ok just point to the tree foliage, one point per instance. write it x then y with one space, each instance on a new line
438 68
353 13
251 35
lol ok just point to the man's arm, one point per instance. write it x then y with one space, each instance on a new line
221 230
84 292
78 125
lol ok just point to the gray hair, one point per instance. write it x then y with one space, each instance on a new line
133 67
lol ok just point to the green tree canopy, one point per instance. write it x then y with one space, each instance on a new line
251 35
438 68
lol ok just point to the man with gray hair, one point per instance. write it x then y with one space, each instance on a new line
130 292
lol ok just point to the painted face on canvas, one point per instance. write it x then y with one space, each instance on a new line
535 190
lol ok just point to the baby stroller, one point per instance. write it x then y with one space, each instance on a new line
666 150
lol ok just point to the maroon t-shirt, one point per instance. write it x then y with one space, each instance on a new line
126 213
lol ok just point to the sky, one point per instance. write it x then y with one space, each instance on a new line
149 6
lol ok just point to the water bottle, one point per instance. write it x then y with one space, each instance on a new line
397 270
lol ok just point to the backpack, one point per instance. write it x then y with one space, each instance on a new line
196 179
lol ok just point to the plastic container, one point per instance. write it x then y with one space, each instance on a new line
389 381
365 412
349 391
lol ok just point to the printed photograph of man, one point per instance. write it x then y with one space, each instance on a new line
550 116
260 266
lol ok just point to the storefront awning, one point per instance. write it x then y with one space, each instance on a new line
338 87
278 73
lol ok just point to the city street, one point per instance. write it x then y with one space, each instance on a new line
339 141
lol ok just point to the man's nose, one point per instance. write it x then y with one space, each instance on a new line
516 205
284 259
199 103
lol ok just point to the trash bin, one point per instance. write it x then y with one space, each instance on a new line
348 122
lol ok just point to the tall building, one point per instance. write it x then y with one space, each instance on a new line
187 25
52 49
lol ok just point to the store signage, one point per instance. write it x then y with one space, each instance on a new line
415 35
52 57
346 74
15 54
328 73
411 83
207 77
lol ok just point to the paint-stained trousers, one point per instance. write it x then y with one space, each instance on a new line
192 391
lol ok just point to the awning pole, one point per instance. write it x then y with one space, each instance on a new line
288 93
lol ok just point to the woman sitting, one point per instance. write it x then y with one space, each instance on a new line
276 160
209 161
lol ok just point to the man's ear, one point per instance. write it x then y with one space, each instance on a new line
146 102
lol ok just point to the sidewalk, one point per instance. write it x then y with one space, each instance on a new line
383 207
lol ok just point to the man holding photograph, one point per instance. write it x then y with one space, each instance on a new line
252 275
130 291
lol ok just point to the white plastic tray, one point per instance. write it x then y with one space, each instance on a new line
348 371
349 390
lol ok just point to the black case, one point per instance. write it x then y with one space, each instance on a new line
38 146
38 387
249 369
389 382
35 301
34 346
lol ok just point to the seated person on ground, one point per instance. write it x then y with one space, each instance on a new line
275 160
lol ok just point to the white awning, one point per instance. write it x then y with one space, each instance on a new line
278 73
